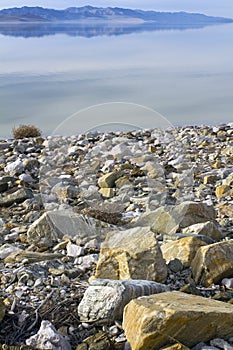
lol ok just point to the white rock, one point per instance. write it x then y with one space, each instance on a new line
7 249
14 167
26 178
48 338
74 250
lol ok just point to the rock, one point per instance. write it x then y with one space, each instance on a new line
14 167
130 254
170 219
107 192
7 249
183 249
108 180
54 225
2 309
153 321
104 300
48 338
176 346
16 197
213 262
74 250
30 257
223 191
98 341
228 283
208 229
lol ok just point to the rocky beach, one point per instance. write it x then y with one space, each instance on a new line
118 240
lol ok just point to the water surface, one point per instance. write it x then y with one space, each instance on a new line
185 75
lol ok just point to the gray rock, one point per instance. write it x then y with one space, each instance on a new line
104 300
17 197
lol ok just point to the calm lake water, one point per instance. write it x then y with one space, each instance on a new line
185 75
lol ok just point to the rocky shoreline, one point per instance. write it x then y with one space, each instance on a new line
118 240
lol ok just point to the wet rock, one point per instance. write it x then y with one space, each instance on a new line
48 338
213 262
152 321
104 300
209 229
16 197
129 254
183 249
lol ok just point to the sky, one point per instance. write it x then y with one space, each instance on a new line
210 7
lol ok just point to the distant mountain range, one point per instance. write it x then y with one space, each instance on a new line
76 14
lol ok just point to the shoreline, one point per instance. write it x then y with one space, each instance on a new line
153 208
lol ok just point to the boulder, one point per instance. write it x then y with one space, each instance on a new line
54 225
213 262
105 299
170 219
208 229
131 254
154 321
183 249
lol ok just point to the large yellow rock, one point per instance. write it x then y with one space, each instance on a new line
208 228
213 262
183 249
153 321
131 254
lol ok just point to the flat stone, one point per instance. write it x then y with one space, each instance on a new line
170 219
183 249
213 262
54 225
151 322
104 300
131 254
17 197
223 191
98 341
208 229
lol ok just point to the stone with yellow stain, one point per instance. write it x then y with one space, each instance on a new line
223 191
176 346
108 180
213 262
107 192
131 254
152 322
183 249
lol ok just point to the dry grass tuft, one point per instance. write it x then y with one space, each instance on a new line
25 131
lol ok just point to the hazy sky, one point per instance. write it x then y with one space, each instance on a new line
212 7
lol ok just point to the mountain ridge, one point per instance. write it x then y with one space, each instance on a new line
40 14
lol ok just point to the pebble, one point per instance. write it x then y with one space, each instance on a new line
152 168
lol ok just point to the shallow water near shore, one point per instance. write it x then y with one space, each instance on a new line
185 75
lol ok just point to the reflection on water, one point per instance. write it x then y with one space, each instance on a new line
185 75
37 30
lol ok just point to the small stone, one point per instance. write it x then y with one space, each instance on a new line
107 192
48 338
16 197
108 180
74 250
